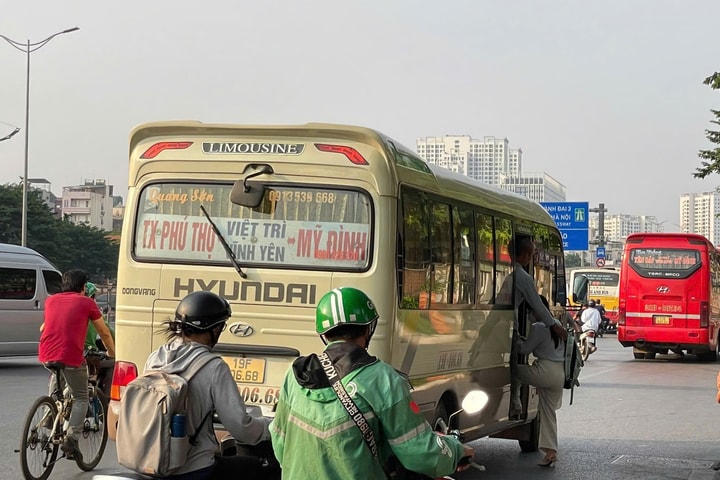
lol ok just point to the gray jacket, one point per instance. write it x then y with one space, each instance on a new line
211 389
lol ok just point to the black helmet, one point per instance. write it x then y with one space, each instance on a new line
591 303
202 310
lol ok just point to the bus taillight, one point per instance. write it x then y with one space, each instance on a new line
155 150
622 309
125 372
353 155
704 314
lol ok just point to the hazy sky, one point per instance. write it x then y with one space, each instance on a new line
605 96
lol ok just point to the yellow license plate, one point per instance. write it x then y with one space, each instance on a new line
661 319
246 370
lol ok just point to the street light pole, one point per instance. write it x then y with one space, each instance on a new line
28 48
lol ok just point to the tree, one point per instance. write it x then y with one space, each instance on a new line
711 158
572 260
65 244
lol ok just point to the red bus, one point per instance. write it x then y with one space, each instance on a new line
669 295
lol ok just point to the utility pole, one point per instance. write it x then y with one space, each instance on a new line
601 224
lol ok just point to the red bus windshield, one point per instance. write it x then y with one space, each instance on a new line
664 262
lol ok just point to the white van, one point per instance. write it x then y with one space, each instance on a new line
26 280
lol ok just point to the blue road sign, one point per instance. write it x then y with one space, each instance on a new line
571 219
600 252
574 239
568 215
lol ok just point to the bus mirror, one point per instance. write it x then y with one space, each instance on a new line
250 194
580 289
247 194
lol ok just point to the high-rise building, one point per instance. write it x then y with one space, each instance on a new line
538 186
618 227
699 214
485 160
491 161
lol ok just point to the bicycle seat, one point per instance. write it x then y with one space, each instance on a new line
54 365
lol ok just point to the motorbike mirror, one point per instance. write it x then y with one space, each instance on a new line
580 289
474 401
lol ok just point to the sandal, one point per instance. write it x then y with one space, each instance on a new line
548 461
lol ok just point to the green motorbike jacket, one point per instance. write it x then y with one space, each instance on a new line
314 438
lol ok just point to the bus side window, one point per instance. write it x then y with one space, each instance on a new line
543 262
503 262
441 253
415 245
485 255
464 256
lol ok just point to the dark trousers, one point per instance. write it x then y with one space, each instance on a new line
246 468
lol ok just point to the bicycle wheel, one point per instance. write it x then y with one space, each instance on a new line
94 434
37 452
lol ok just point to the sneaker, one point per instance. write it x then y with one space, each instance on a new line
71 449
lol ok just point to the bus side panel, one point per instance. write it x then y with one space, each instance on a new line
456 351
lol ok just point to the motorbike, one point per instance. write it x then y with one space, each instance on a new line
607 326
473 402
586 343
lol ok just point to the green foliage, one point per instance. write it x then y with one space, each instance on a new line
65 244
572 260
711 157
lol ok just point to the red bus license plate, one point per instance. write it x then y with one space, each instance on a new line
661 319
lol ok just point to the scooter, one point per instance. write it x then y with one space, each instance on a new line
586 342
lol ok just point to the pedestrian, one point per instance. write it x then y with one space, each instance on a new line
199 320
62 339
547 374
313 433
522 249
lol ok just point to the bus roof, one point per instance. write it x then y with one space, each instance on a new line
440 179
665 236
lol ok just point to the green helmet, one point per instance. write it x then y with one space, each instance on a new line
342 306
90 289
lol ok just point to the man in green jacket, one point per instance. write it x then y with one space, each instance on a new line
313 434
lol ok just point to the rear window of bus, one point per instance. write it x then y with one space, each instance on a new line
664 262
293 227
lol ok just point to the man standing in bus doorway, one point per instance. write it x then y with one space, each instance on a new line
522 250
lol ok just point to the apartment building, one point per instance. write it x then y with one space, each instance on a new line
90 203
699 214
491 161
538 186
487 160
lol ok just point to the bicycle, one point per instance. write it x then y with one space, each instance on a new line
47 424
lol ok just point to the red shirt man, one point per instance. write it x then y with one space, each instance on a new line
65 328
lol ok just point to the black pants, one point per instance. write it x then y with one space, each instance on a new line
246 468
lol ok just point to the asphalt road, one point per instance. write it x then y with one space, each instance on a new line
630 419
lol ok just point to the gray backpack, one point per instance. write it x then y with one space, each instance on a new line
144 442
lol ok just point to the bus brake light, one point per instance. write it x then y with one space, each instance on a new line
351 154
155 150
124 373
622 310
704 314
